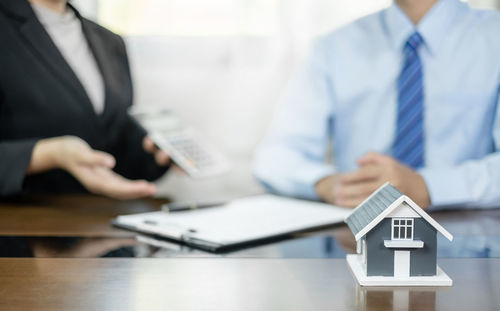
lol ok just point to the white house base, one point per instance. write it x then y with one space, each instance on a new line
355 262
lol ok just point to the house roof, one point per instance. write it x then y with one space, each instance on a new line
378 205
370 208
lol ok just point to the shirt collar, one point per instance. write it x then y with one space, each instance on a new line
48 17
433 27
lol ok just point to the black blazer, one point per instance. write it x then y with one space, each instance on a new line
41 97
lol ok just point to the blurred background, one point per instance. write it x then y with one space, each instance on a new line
222 66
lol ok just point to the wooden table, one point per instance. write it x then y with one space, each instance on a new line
87 218
212 283
68 215
231 284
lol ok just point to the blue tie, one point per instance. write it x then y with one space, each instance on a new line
408 145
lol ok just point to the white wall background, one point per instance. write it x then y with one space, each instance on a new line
222 66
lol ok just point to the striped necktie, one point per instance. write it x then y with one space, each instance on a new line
408 145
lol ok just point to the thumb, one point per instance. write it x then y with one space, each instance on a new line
149 145
99 158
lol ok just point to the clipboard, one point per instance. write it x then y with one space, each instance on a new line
242 221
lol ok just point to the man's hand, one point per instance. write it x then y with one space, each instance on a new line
375 169
92 168
161 157
325 187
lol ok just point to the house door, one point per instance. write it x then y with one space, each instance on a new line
401 263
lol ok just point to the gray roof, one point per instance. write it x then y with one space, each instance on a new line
372 207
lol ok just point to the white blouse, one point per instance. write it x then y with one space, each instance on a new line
66 32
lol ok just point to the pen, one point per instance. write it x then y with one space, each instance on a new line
179 207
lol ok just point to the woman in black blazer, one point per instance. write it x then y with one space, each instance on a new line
51 137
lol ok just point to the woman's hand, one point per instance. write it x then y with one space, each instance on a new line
102 180
161 157
92 168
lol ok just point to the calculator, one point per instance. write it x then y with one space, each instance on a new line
197 158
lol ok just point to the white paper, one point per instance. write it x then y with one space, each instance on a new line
241 220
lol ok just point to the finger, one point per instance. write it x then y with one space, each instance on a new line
149 145
129 190
362 174
162 158
178 170
101 180
371 158
93 157
355 190
121 188
134 190
351 202
104 158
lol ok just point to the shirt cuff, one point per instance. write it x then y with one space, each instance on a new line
446 186
15 158
307 176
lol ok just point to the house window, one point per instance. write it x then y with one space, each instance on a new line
402 228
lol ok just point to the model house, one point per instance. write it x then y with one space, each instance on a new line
396 241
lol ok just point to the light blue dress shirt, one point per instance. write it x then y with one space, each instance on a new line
347 94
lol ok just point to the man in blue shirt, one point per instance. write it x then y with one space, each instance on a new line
408 95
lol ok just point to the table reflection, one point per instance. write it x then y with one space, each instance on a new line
334 244
83 247
396 298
